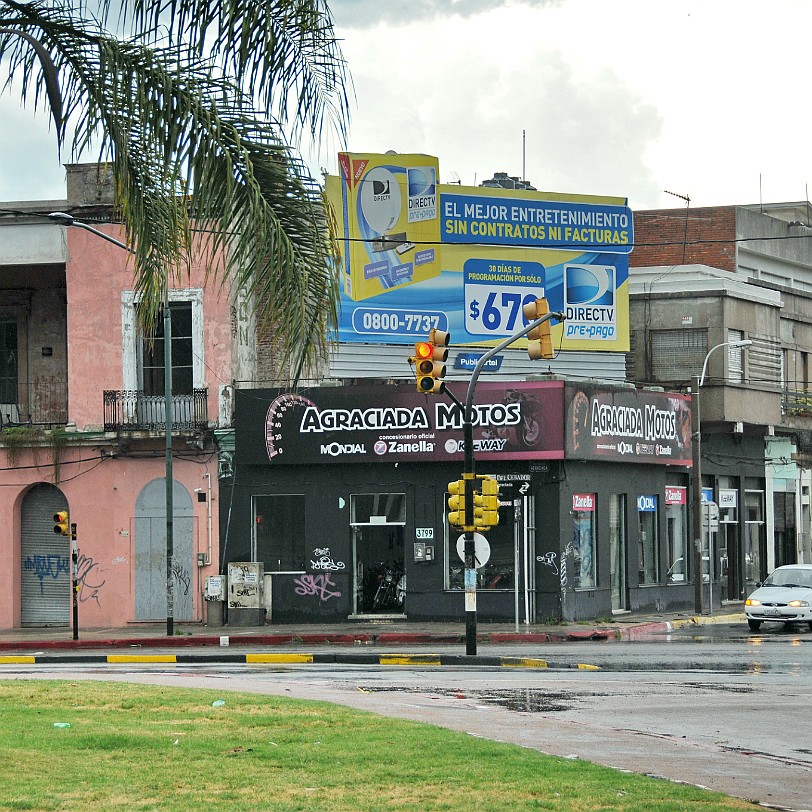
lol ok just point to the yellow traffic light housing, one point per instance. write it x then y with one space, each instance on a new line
539 339
61 523
456 503
486 503
429 360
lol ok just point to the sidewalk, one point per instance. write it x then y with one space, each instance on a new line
375 634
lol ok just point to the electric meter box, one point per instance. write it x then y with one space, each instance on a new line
245 593
215 588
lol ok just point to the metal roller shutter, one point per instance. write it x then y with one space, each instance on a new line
46 562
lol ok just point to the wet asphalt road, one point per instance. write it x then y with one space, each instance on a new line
718 707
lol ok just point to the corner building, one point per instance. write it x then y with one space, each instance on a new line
340 493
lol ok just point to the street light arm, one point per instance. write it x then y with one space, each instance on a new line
746 342
65 219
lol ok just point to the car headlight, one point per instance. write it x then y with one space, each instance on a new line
796 604
752 602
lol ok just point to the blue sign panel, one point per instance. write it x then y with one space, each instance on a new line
647 504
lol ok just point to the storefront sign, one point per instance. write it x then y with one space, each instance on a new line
647 504
628 425
728 498
675 495
583 501
394 423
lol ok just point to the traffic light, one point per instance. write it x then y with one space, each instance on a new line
539 340
486 503
61 525
456 503
429 360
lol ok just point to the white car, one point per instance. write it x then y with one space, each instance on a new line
785 597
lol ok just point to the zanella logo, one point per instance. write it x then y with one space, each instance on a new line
583 501
339 449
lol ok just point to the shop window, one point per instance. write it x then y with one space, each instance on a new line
498 571
676 523
649 545
279 533
584 531
755 539
378 508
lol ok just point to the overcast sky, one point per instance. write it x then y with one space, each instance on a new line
703 98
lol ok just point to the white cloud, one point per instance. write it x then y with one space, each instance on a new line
705 98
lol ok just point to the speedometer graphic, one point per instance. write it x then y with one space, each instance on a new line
278 419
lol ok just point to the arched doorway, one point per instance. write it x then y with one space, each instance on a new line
150 552
45 581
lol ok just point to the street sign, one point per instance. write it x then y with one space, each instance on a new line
710 516
482 550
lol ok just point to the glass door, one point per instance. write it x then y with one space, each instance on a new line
617 551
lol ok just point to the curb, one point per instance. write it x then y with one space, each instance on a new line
438 660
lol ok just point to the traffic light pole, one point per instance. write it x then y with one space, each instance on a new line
75 582
469 474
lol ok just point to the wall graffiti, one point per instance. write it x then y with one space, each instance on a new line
548 560
320 585
568 551
47 566
182 576
324 561
86 579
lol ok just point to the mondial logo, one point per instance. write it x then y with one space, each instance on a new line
589 302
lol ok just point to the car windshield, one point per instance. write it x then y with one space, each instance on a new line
790 577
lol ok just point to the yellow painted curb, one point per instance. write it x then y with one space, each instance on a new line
18 659
524 662
409 659
142 658
587 667
279 658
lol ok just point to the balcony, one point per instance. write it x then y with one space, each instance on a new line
796 402
43 404
135 411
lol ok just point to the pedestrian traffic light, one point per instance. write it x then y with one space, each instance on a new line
486 503
539 340
61 524
456 503
429 360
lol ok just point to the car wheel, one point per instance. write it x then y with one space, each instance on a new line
754 625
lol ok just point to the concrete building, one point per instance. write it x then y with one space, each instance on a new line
700 281
82 413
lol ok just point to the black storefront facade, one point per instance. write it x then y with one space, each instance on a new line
341 493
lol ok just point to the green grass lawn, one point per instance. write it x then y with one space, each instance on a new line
132 747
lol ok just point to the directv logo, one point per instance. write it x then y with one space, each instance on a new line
589 302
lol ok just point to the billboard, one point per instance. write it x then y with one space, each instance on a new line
393 423
475 258
627 425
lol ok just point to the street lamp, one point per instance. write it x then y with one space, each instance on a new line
68 220
696 450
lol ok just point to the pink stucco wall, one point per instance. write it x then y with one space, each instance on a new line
101 493
97 272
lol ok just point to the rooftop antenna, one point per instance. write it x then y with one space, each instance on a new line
524 144
687 206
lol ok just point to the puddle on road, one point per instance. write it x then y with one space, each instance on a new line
522 700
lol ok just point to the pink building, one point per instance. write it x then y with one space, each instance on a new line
82 423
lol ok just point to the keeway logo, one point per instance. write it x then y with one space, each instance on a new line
583 501
337 449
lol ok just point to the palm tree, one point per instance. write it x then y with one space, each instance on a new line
201 97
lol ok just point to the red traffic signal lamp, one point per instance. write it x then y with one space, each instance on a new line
429 361
539 340
61 523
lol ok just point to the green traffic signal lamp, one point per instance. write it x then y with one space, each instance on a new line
61 523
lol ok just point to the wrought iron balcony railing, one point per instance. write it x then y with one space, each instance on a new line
796 402
135 411
44 403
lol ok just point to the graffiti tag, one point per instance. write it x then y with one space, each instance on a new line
320 585
324 561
